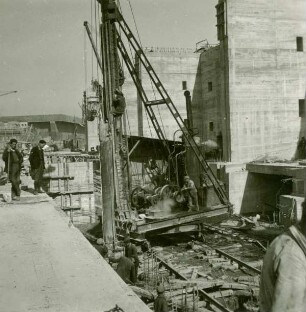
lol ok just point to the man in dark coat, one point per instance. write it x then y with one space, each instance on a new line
160 303
126 270
131 252
37 163
13 160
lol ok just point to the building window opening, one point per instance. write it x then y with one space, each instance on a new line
211 126
184 85
209 86
299 44
302 109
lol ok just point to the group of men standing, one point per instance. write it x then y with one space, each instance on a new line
13 159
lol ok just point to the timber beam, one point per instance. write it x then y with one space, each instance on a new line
182 219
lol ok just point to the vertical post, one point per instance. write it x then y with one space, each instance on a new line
139 101
189 109
106 130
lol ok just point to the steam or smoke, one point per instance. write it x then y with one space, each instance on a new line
164 207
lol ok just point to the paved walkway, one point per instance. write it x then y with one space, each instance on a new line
47 265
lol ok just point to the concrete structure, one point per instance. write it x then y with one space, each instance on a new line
177 70
57 127
252 98
253 83
48 265
248 92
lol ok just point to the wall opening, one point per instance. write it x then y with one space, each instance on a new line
184 85
299 44
302 108
211 126
209 86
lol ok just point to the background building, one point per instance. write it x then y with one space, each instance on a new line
253 83
62 130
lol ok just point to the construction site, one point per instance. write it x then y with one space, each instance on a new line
182 168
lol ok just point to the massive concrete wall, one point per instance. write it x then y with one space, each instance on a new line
173 66
211 98
266 77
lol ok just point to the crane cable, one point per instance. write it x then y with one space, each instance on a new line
97 66
85 59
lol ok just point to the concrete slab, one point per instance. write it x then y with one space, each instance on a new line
286 169
47 265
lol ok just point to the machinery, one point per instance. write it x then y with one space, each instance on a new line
117 44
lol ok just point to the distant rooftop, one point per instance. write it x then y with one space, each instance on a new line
42 118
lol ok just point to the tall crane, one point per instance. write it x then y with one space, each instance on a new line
114 34
7 92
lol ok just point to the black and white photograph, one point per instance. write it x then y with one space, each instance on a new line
153 156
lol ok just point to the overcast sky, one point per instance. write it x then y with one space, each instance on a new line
42 46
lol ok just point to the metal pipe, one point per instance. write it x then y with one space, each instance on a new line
93 44
189 109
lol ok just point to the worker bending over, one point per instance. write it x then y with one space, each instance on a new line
126 270
101 247
191 193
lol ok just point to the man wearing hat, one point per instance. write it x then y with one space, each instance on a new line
101 247
283 276
160 303
13 160
37 163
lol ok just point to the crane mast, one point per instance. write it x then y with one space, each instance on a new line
113 146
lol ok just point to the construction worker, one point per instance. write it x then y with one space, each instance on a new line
101 247
37 163
160 303
126 270
131 252
283 276
191 194
13 161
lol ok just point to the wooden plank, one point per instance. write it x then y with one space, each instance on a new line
181 219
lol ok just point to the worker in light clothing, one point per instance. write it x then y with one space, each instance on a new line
283 277
37 163
191 193
160 303
13 161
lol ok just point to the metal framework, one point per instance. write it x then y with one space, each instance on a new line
164 100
